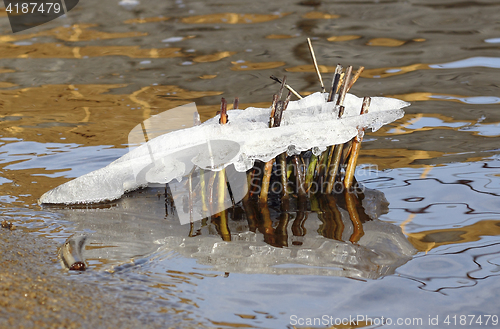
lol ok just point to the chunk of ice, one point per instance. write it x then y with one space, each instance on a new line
307 123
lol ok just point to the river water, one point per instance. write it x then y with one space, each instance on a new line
72 89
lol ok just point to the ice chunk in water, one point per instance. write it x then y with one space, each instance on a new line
307 123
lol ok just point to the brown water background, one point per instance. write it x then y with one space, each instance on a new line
72 89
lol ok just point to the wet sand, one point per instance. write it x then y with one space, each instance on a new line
36 293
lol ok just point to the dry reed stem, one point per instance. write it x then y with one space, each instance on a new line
355 78
343 91
223 111
300 176
356 146
311 50
268 168
287 87
335 82
284 180
273 110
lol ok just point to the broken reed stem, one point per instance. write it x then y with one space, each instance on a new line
223 111
273 110
268 169
287 87
236 103
300 176
283 83
334 167
311 50
355 78
274 121
343 91
335 82
284 180
356 146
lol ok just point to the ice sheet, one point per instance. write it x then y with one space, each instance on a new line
307 123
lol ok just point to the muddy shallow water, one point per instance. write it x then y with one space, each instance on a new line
72 89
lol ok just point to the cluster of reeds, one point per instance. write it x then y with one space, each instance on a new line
312 182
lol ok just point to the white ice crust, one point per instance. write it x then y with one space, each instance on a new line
309 123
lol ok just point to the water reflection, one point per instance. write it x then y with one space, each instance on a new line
337 235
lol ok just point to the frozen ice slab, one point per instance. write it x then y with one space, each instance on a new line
311 122
135 230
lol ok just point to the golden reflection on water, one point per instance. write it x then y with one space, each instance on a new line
231 324
213 57
249 66
340 38
231 18
146 20
83 114
396 158
319 15
280 36
76 32
4 85
6 70
385 42
385 72
57 50
309 68
403 124
427 240
208 76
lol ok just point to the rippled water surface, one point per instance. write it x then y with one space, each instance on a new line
71 90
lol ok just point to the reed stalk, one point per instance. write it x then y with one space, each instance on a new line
268 168
286 86
284 180
224 228
355 78
356 146
313 56
300 176
335 82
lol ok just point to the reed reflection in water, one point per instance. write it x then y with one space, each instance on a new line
338 234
